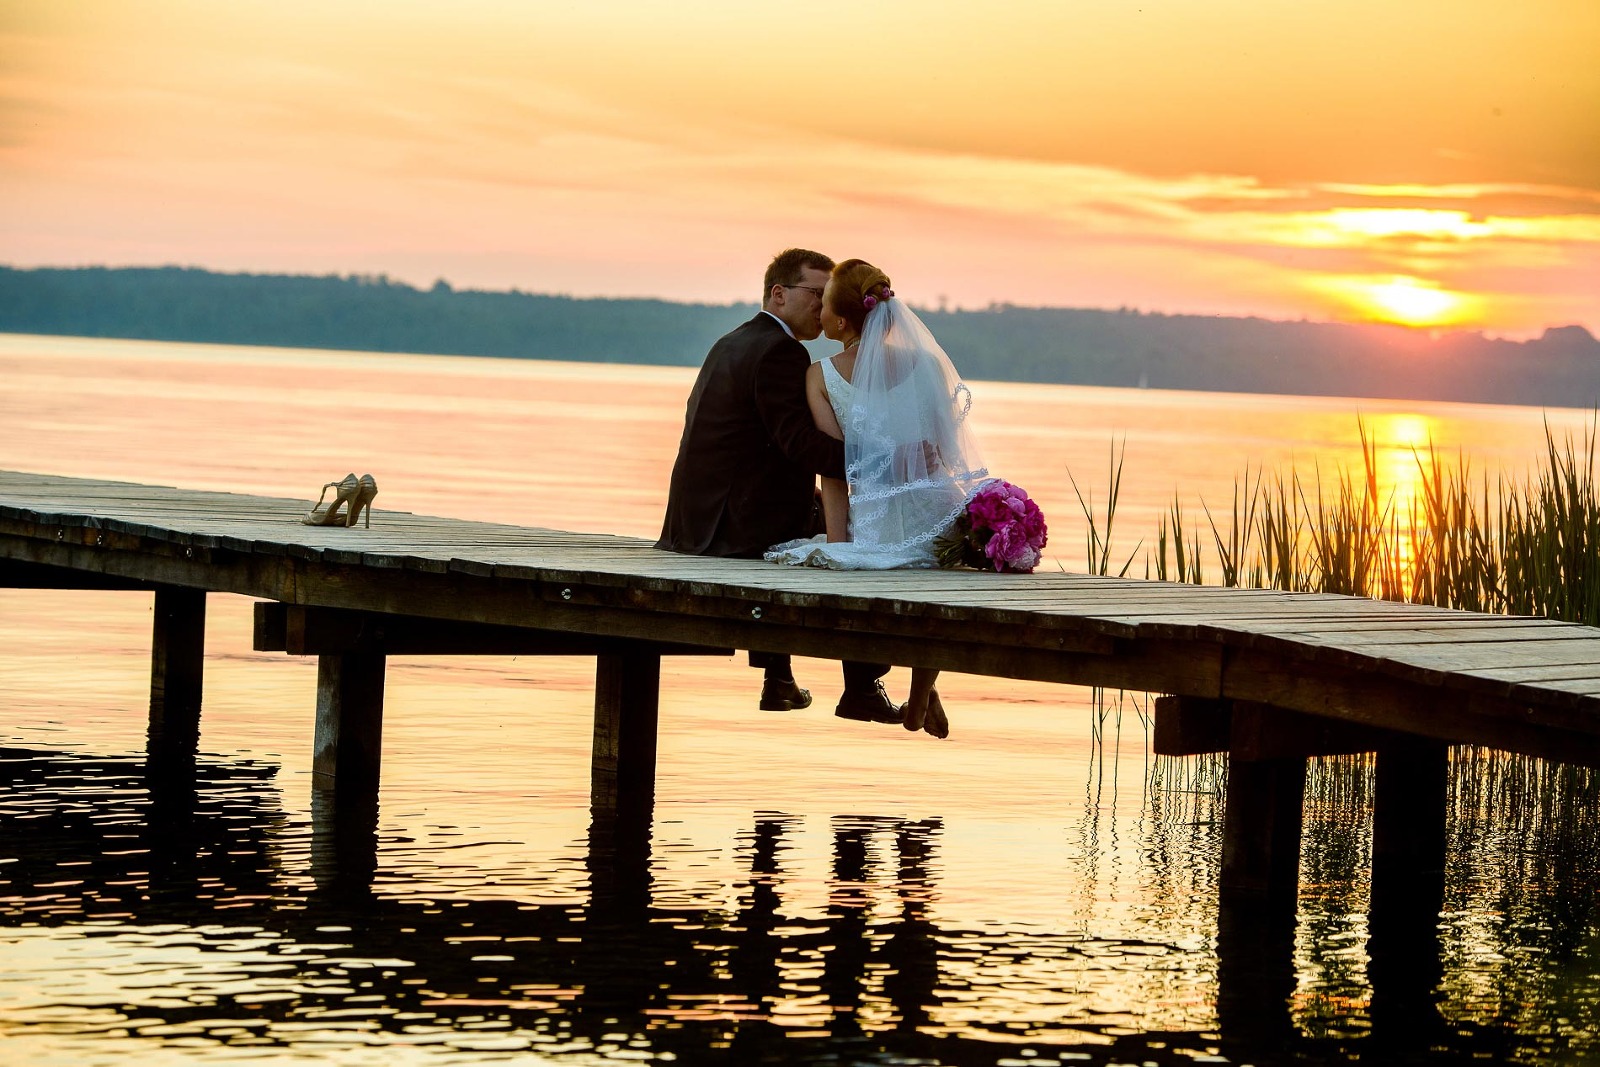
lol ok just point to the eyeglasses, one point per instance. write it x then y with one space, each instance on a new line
812 289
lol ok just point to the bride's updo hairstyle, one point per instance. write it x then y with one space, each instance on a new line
857 287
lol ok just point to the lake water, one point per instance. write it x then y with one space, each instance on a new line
812 891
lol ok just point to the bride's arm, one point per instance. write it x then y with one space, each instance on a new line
835 492
836 509
821 410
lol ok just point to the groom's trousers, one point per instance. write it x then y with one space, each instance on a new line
857 676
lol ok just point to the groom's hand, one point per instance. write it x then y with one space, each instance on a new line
817 523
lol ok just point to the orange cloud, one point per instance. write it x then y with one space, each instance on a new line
1169 157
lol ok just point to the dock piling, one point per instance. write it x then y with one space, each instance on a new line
1408 812
627 702
177 662
1410 800
1264 806
349 735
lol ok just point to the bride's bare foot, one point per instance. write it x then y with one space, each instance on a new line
935 721
912 717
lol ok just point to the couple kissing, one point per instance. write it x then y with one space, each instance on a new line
882 423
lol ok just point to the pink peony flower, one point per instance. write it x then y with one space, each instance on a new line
1002 527
1001 546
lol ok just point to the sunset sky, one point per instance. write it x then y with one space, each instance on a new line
1431 162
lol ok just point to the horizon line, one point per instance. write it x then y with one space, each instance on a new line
383 277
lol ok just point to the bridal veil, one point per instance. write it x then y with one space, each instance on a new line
910 458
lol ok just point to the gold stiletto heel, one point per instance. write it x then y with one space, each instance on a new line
363 501
347 488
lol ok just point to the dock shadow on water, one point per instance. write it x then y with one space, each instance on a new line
156 917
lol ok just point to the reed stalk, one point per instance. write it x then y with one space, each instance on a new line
1098 544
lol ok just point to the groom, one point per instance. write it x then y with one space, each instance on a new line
745 478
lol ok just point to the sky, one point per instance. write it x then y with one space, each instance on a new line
1434 163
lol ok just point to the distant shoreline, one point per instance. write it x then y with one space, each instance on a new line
1004 343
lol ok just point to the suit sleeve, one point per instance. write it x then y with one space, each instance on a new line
781 401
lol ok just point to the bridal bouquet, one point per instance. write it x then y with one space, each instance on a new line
1001 528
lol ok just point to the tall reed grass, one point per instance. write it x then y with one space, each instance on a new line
1464 541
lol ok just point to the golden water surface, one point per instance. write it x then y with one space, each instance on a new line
815 889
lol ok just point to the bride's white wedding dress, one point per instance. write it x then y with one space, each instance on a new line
909 460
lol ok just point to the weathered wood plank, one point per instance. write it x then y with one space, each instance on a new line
1187 726
302 631
16 574
1431 662
1550 730
1453 656
1366 633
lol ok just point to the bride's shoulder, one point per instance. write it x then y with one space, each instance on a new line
843 364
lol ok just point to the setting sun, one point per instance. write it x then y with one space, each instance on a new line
1402 301
1414 303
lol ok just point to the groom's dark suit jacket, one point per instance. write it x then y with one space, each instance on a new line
747 464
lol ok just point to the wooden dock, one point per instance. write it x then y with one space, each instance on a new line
1269 677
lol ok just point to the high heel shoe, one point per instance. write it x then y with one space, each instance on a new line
363 501
348 487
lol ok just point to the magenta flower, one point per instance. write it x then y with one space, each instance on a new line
1002 528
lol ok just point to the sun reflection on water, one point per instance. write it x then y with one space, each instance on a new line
1402 441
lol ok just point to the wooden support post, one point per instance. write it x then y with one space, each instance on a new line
627 698
177 659
1261 828
1408 852
1188 726
349 737
1408 812
1255 979
618 861
344 843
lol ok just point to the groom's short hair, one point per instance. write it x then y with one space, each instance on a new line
786 267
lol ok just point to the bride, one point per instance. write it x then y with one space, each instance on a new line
893 397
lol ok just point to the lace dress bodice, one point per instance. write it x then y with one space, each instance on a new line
839 390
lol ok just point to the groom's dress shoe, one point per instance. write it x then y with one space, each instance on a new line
867 704
783 695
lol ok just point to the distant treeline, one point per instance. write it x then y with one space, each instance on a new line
1077 346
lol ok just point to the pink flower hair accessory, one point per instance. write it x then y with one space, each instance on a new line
872 300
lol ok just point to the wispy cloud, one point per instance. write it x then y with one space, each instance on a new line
464 162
